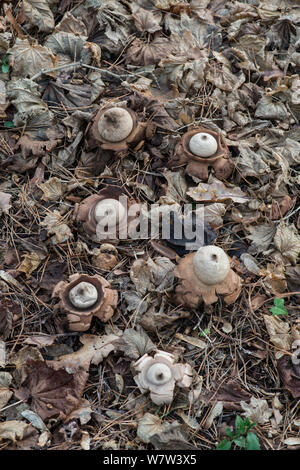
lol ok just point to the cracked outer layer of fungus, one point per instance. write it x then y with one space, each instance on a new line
203 275
116 126
107 209
84 297
200 149
159 375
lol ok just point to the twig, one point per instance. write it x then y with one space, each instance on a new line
80 64
13 404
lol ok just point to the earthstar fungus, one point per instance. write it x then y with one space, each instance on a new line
84 297
200 149
108 209
159 375
203 275
116 126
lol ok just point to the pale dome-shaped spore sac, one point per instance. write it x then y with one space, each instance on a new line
211 264
109 211
115 124
203 145
83 295
159 374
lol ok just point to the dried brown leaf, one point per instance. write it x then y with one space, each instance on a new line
29 264
146 20
54 225
136 343
50 392
28 59
5 204
216 191
38 14
287 241
13 430
290 375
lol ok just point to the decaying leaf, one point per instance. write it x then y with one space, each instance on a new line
82 413
290 374
214 213
35 420
279 332
70 24
152 275
39 14
4 202
113 18
251 162
261 236
155 319
287 242
30 263
136 343
13 430
21 359
28 59
149 425
222 77
55 225
94 350
257 410
146 20
25 96
50 392
5 392
216 411
176 189
274 278
197 342
68 48
52 189
2 354
267 108
216 191
41 341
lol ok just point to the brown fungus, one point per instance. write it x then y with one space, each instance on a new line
116 126
200 149
84 297
159 375
104 215
106 257
203 275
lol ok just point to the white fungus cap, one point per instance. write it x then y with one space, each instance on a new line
203 144
83 295
115 124
159 374
109 211
211 264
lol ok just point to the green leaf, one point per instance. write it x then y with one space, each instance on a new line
229 433
239 426
205 332
278 308
5 68
224 445
240 441
9 124
252 441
